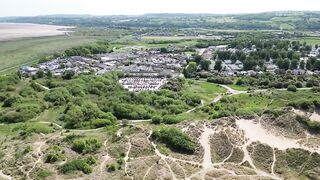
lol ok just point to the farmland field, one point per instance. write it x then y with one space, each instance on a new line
28 51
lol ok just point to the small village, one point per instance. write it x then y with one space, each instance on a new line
148 69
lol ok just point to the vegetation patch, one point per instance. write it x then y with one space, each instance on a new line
83 165
175 139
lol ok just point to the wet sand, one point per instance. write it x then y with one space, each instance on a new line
9 31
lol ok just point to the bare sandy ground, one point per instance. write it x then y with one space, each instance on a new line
255 132
9 31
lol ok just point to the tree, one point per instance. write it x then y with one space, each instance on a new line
309 65
197 58
286 64
68 74
163 50
190 70
205 64
294 64
249 63
40 74
243 57
302 65
233 57
218 65
316 65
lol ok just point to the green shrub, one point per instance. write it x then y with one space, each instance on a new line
76 165
172 119
292 88
315 89
303 104
42 174
311 125
86 145
8 102
12 117
53 157
97 123
175 139
113 167
156 119
58 96
55 154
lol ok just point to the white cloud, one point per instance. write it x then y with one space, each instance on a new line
107 7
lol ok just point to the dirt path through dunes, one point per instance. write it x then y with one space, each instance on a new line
205 143
105 159
126 158
149 169
273 161
4 176
232 91
37 151
255 132
53 123
247 156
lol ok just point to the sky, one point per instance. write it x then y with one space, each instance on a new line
138 7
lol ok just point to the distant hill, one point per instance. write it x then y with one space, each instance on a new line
288 20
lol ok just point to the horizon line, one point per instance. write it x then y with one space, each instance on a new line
159 13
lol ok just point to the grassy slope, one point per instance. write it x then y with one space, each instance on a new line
273 100
27 51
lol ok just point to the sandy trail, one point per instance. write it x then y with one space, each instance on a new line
232 91
147 172
53 123
216 99
273 161
104 161
126 158
37 151
205 143
247 156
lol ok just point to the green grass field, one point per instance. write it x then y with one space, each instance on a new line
205 90
239 88
310 40
27 51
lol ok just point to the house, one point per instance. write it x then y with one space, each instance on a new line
27 70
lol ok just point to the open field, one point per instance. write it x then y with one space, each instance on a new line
176 38
28 51
311 40
205 90
9 31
